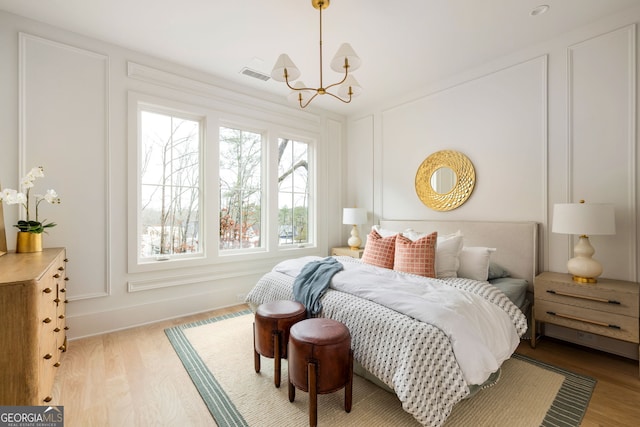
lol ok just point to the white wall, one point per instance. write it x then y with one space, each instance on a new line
63 105
553 123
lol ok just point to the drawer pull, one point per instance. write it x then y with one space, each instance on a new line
61 316
63 290
62 348
56 330
56 276
47 290
66 278
565 294
47 320
48 356
580 319
57 364
61 268
57 300
47 399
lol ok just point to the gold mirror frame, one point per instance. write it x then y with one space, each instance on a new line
465 180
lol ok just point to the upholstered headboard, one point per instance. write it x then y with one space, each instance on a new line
516 243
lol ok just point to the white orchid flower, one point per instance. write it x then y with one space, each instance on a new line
52 196
37 172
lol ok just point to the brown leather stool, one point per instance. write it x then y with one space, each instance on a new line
320 361
271 331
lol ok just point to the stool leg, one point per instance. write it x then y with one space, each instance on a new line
276 358
292 392
256 355
348 390
312 376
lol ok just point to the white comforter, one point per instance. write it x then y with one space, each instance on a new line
482 335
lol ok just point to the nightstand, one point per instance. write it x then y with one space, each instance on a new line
347 251
609 307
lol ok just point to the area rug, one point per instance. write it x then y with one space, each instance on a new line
218 356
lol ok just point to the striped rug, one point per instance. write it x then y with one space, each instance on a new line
218 355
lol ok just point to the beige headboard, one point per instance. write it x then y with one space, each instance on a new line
516 243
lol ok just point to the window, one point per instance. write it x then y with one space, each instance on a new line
240 189
209 189
169 185
293 192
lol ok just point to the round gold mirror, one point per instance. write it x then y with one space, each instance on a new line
445 180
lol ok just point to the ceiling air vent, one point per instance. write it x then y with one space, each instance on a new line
255 74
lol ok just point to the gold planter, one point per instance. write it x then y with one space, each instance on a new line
29 242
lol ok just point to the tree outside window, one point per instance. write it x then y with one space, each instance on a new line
293 192
170 185
240 189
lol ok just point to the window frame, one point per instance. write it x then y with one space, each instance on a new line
211 122
312 234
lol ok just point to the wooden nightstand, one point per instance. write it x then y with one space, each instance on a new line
609 308
347 251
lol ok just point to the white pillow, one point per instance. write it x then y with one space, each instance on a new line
414 235
384 232
474 262
447 255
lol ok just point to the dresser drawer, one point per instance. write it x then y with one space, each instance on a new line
587 296
612 325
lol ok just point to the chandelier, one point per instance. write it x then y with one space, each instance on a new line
345 61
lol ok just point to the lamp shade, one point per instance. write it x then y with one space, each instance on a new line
354 216
296 96
284 62
350 83
345 51
584 218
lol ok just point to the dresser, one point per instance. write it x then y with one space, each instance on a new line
347 251
33 333
609 307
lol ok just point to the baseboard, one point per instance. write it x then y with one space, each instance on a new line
98 323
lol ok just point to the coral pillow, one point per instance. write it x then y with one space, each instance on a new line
416 257
378 250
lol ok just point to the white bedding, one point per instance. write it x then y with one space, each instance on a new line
414 358
482 335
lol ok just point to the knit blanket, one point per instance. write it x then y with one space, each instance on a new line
313 281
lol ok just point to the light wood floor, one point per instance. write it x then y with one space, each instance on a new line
134 378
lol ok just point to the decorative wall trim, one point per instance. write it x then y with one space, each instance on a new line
233 101
26 142
202 277
190 279
541 86
631 119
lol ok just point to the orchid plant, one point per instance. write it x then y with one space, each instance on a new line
13 197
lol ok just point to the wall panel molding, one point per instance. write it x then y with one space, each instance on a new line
497 118
64 102
602 122
230 101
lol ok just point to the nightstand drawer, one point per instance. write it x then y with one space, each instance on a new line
585 319
601 298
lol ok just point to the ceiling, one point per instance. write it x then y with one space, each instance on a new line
403 44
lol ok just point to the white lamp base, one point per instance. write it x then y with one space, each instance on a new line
584 268
354 241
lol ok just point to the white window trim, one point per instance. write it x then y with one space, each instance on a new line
212 259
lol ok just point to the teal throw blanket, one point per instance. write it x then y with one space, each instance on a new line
312 283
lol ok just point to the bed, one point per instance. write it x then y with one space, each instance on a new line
426 353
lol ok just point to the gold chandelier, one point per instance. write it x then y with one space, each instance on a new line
345 61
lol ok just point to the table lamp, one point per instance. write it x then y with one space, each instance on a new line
584 219
354 216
